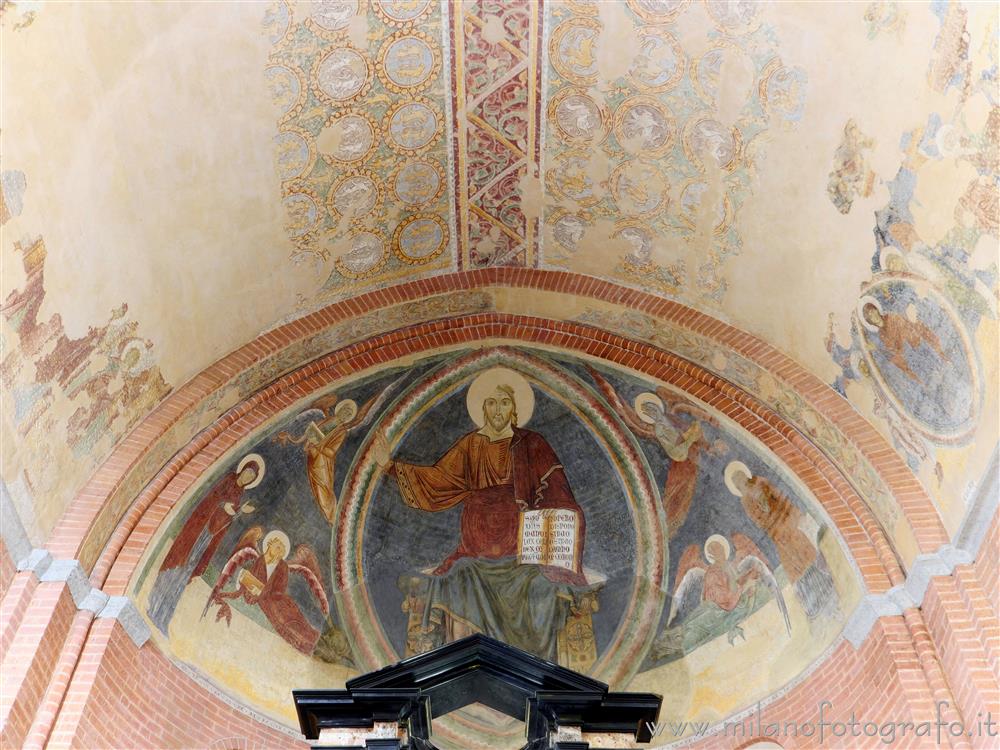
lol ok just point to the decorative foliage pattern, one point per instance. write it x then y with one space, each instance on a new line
359 86
497 54
670 167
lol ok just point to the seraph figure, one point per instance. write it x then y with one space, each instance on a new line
331 421
675 424
262 575
795 535
715 593
196 543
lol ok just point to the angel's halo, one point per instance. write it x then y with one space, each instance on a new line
258 461
734 468
721 540
646 398
347 405
282 537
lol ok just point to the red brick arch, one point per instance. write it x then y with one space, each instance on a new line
866 541
92 532
895 669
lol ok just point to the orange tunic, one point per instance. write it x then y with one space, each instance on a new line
779 518
494 480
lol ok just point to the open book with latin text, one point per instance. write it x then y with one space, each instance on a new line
549 537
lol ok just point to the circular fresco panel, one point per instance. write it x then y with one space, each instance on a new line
331 18
302 214
399 12
919 352
417 183
356 195
342 74
659 63
420 238
413 126
577 118
657 11
348 138
365 256
644 126
573 50
408 62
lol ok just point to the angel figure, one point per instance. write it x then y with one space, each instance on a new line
263 580
675 424
322 440
715 593
795 534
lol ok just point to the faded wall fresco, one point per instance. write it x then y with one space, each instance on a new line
736 157
422 503
66 399
922 351
361 148
652 151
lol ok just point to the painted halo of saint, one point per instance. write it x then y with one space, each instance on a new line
794 534
500 473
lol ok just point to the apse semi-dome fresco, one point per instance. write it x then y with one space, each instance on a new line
656 338
397 513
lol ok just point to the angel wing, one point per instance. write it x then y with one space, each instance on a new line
245 551
325 403
744 546
674 404
303 561
298 434
691 558
374 405
752 562
687 596
625 411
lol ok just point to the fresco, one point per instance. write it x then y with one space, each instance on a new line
658 148
360 148
497 98
580 513
67 398
923 332
851 176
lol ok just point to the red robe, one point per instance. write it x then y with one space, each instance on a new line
721 586
779 518
281 610
211 515
488 478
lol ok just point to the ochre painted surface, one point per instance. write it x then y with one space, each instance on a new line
180 178
218 169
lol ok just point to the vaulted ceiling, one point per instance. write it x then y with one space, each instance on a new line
181 179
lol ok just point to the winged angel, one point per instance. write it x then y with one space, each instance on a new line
331 420
262 572
675 424
715 593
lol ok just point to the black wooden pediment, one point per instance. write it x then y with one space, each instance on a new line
477 669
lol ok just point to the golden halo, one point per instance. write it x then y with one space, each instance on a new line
731 470
282 537
721 540
869 300
346 405
252 458
646 398
487 381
